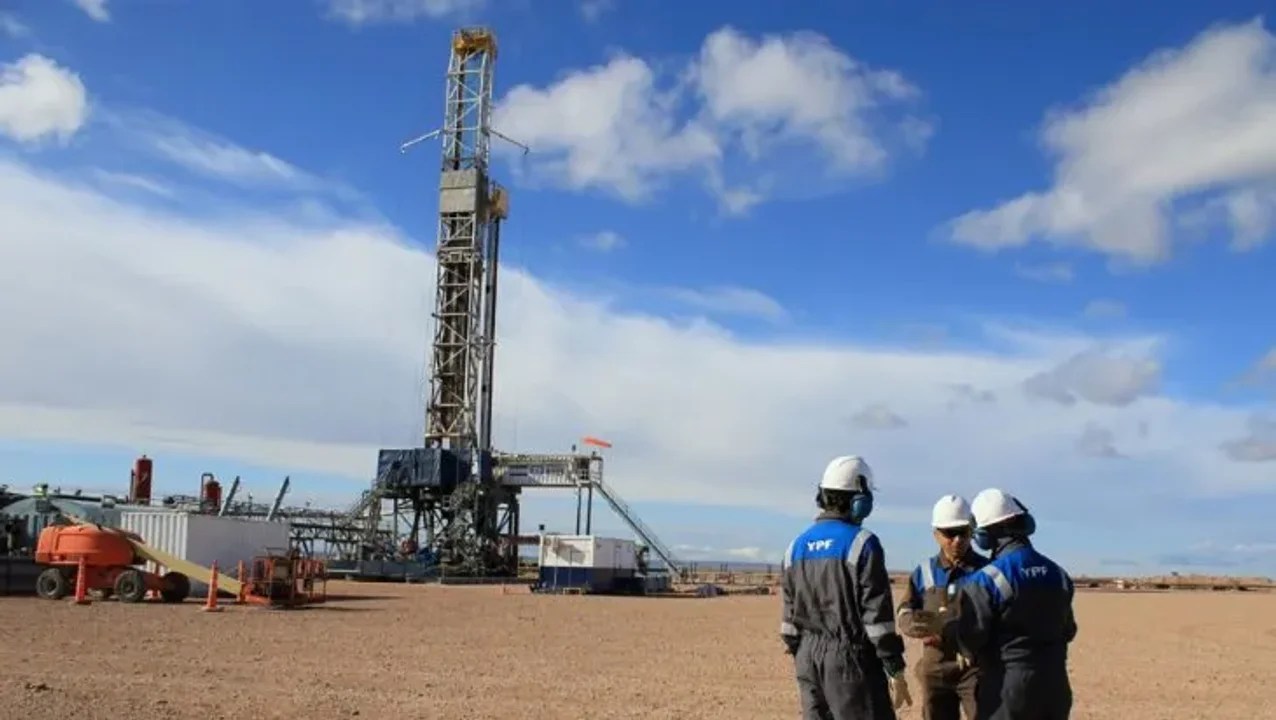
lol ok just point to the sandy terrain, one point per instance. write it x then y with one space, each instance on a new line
430 652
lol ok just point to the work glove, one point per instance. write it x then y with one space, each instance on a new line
963 662
900 697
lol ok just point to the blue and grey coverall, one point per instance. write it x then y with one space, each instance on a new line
1015 619
946 688
839 618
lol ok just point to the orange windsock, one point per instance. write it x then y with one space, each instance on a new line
590 440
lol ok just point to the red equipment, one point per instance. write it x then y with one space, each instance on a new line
210 493
108 565
139 491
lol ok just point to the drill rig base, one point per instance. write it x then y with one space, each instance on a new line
459 524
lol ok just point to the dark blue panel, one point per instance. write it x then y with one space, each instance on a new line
421 467
595 580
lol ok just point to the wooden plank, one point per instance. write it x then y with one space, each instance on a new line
225 582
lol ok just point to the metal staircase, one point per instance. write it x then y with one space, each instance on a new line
627 514
578 470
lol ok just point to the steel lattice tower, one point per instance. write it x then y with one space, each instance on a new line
470 525
458 413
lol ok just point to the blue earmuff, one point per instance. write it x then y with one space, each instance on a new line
982 539
861 507
1029 522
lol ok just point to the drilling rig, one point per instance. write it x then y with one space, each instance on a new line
447 484
454 502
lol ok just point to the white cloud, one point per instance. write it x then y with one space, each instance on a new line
732 301
1262 370
1056 272
799 87
213 157
967 394
13 27
593 10
603 241
367 12
39 98
111 179
95 9
1097 441
788 108
1256 445
1098 376
606 126
1105 309
878 417
210 156
1184 123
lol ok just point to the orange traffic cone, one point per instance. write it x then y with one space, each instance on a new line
81 583
210 605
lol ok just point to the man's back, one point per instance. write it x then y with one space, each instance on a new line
820 563
837 611
1028 600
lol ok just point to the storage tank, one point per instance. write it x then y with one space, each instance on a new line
140 486
210 493
589 562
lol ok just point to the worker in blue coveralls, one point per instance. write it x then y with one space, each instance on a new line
946 678
838 619
1014 618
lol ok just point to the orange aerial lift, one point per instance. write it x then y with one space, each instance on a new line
108 558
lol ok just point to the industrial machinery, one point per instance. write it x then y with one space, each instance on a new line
454 502
109 556
284 580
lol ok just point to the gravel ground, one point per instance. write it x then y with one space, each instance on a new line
394 651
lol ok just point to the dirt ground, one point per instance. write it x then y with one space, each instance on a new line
394 651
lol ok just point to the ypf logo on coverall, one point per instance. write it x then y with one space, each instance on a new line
817 545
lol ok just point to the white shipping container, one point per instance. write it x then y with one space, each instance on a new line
202 539
615 554
588 551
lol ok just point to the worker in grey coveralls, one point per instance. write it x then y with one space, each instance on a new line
946 678
1014 618
838 619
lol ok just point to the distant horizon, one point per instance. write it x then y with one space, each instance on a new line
703 564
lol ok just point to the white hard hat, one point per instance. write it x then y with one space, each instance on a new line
950 511
849 473
992 506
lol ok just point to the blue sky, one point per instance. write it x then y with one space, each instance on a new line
1010 246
